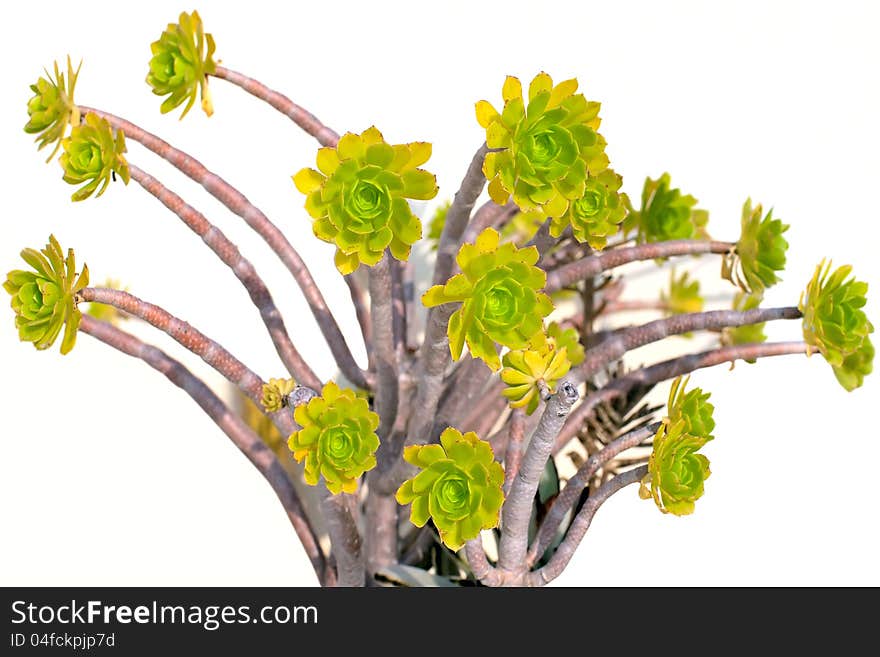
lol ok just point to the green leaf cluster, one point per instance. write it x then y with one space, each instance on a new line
676 472
274 394
52 108
759 253
667 214
92 154
836 325
526 370
338 438
458 486
500 299
183 57
358 197
44 298
683 295
547 147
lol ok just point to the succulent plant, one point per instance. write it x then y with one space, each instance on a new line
52 108
45 298
338 438
92 155
568 339
358 197
458 486
527 371
759 253
275 394
498 288
181 63
675 471
596 214
667 214
835 323
547 147
683 295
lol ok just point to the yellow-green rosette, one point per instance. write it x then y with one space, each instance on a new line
500 298
596 214
274 394
458 486
338 438
548 146
667 214
52 108
358 197
44 298
92 155
759 253
183 58
836 325
683 295
527 371
676 472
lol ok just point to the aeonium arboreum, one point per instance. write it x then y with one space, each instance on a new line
52 108
358 197
92 155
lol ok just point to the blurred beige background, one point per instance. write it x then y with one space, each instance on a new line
110 476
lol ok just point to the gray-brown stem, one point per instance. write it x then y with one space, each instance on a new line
384 356
345 540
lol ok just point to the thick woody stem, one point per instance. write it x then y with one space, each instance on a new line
345 540
620 342
254 217
458 215
246 440
576 484
304 119
242 268
197 342
381 315
380 530
517 508
595 264
580 525
513 453
669 369
398 306
480 566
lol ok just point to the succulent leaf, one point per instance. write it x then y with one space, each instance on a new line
596 214
358 197
759 253
526 370
835 323
337 440
44 298
92 155
501 303
458 486
667 214
52 108
182 59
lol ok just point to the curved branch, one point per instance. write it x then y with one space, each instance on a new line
517 508
620 342
303 118
669 369
581 524
485 572
197 342
271 234
241 267
576 484
591 265
246 440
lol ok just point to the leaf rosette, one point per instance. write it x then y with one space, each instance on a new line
92 155
548 146
274 394
183 58
358 197
458 486
835 323
52 108
45 298
759 253
526 371
676 473
596 214
338 438
667 214
683 295
500 299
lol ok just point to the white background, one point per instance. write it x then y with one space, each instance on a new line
110 476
